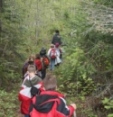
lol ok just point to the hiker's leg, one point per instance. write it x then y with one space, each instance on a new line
57 64
43 73
39 74
26 116
52 64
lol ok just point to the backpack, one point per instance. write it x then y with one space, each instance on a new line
43 52
46 61
53 53
33 90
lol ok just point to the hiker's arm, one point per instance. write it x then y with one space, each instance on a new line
60 41
72 107
64 109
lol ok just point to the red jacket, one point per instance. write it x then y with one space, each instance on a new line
25 98
38 64
50 104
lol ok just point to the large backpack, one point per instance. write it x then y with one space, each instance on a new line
53 53
46 61
43 52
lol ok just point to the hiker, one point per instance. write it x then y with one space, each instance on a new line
52 56
45 62
29 89
51 103
56 38
30 61
38 64
58 59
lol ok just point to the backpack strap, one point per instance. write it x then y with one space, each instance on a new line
30 82
51 100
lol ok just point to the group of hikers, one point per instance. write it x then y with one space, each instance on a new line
38 95
44 59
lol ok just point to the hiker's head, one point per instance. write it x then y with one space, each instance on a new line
57 31
31 58
43 49
31 69
52 45
50 82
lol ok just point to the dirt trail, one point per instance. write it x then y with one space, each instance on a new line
19 114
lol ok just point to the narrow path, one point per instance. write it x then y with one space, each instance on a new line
19 114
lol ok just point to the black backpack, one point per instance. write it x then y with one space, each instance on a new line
43 52
34 90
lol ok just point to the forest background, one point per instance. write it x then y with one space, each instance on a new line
86 27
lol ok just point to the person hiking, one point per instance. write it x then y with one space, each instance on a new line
52 54
50 103
45 62
29 88
30 61
38 64
56 38
58 59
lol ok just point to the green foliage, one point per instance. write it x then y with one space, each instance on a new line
77 80
89 113
11 37
8 104
108 104
104 2
29 25
9 75
88 59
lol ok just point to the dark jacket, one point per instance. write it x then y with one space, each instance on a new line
56 39
50 104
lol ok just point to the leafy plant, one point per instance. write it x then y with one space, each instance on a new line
108 104
8 104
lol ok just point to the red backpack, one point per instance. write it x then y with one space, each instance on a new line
53 53
46 61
